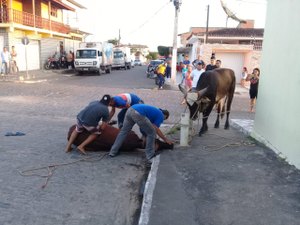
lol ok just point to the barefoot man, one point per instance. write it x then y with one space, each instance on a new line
88 119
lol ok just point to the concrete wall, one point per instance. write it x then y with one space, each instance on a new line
277 113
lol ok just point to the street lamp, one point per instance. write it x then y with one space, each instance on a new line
177 4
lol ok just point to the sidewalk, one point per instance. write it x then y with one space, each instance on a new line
33 76
224 177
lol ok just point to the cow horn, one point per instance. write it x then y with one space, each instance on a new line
182 89
202 92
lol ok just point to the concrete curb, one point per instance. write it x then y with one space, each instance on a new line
148 194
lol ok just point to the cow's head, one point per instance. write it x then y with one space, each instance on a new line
195 100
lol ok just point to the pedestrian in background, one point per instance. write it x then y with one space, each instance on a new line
168 70
196 73
70 60
13 60
212 64
218 63
161 71
183 73
5 57
254 80
89 119
188 77
244 75
186 60
195 62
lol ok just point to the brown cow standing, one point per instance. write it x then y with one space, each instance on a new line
104 141
214 87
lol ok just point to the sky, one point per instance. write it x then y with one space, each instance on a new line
151 22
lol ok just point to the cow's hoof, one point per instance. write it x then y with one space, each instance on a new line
216 125
226 127
200 133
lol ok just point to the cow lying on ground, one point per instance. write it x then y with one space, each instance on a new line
108 136
214 87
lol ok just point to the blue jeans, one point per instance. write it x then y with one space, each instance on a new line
4 68
161 80
132 117
121 117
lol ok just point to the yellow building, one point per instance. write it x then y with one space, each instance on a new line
41 21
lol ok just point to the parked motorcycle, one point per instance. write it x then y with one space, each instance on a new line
55 62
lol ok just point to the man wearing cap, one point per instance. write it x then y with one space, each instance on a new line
195 62
123 102
147 117
196 73
88 119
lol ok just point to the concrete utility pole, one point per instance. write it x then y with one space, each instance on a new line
177 4
207 22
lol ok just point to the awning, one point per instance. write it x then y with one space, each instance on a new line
62 5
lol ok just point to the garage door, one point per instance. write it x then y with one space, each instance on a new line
234 61
33 55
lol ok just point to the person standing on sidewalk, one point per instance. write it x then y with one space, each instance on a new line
212 64
196 73
88 119
254 79
149 119
195 62
244 75
5 56
123 102
13 60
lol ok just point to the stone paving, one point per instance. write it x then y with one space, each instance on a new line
105 191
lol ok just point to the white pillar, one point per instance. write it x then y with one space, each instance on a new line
184 129
174 51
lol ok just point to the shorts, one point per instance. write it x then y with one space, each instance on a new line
81 127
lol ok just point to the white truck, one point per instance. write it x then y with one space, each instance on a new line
122 57
94 57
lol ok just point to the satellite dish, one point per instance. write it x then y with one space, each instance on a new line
230 14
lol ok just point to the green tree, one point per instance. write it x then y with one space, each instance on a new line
163 51
113 41
152 55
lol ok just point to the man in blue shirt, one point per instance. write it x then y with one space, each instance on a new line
147 117
88 119
123 102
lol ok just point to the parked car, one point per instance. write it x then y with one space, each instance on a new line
152 67
137 62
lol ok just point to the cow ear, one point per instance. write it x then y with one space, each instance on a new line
182 89
202 92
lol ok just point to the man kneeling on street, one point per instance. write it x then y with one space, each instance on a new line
89 119
149 119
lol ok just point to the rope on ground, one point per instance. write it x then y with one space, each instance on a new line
51 168
212 148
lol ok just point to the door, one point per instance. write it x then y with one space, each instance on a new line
232 60
33 55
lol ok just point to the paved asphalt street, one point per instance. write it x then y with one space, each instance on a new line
223 177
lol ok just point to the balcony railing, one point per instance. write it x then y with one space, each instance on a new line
28 19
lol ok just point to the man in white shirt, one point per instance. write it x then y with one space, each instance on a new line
5 60
196 73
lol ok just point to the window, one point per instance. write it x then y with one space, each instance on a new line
83 54
53 11
118 55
